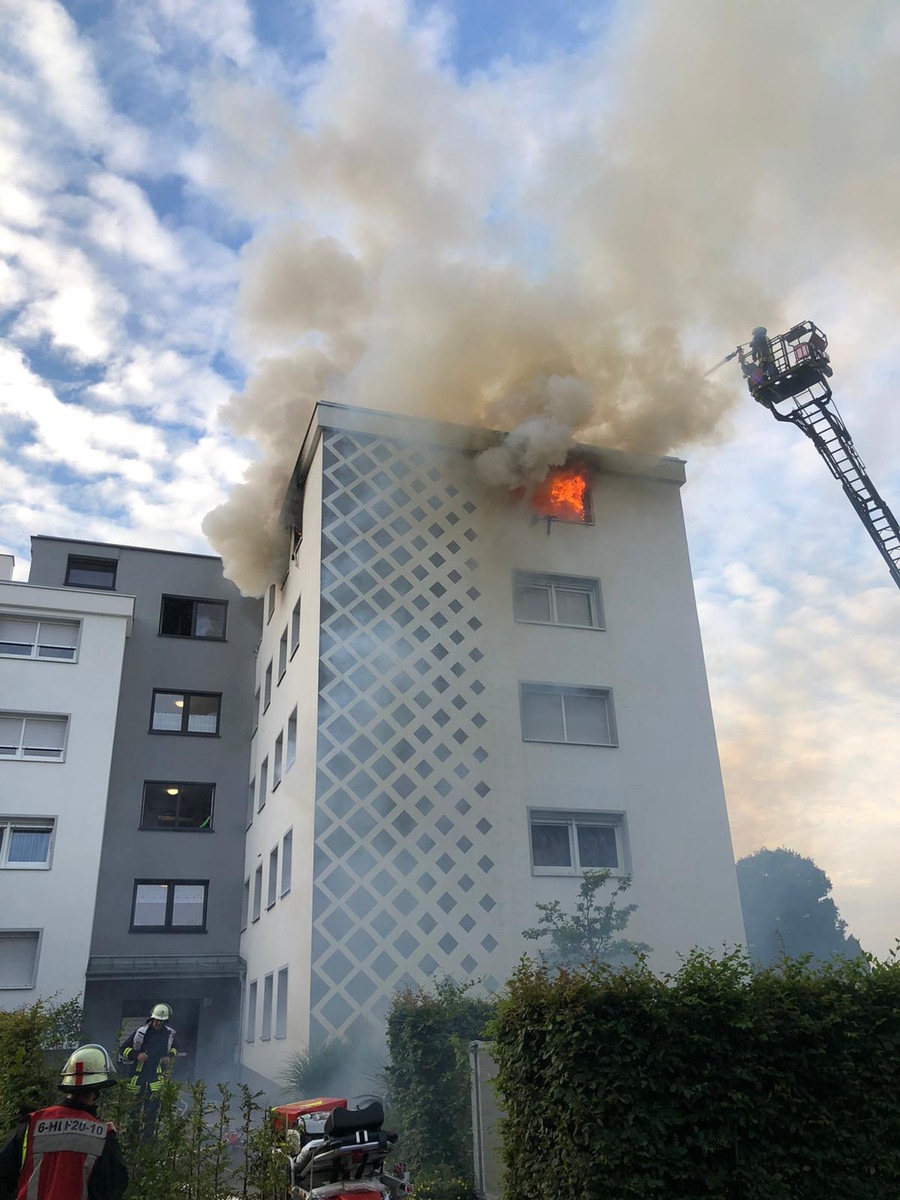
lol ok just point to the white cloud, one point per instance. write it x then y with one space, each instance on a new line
47 36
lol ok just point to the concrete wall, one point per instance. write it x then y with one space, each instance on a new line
282 935
423 786
60 901
175 663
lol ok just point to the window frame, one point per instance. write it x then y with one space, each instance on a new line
283 656
252 1010
267 687
12 824
571 819
555 583
287 842
270 602
34 655
245 904
38 935
536 687
272 889
265 1025
290 747
186 713
294 645
168 926
179 783
280 1024
262 794
278 761
194 600
87 561
20 756
256 898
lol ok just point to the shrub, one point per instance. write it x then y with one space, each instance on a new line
715 1081
428 1035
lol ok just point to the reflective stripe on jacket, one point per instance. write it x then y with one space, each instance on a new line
60 1150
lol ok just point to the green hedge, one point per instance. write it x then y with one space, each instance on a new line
781 1085
428 1034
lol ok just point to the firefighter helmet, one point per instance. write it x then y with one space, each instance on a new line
161 1012
88 1067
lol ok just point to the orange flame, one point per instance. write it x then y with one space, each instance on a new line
563 495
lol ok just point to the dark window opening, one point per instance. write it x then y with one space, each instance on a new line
181 616
186 713
169 906
175 805
91 572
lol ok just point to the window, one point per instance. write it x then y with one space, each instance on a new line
276 761
273 878
569 843
255 712
267 688
287 854
169 805
557 600
281 1003
270 602
257 893
91 572
25 844
282 655
579 715
183 616
266 1031
251 798
245 905
19 949
169 906
291 741
251 1012
295 628
186 713
20 638
33 737
263 783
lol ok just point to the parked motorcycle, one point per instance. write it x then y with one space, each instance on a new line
336 1153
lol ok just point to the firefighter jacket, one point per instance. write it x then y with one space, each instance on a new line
157 1044
64 1152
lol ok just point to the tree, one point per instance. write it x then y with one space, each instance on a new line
591 933
788 909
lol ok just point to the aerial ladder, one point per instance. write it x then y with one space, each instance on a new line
788 374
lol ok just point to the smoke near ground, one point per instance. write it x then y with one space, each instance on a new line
558 249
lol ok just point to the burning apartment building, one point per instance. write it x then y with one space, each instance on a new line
467 696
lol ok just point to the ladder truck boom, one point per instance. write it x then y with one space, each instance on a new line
788 374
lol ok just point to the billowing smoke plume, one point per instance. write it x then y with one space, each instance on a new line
555 249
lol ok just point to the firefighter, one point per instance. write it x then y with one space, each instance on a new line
66 1152
150 1051
761 351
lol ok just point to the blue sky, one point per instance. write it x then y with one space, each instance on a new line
242 206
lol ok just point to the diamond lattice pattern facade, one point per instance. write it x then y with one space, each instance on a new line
430 760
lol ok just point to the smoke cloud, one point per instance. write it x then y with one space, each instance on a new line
555 249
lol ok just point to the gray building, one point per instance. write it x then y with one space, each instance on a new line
167 916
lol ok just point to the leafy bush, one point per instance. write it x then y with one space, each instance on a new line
594 933
714 1081
428 1034
443 1184
29 1075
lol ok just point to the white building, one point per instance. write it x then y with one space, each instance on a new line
462 707
61 655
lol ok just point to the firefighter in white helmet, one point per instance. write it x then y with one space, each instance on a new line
150 1050
66 1152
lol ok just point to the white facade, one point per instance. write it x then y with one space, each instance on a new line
428 813
61 653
